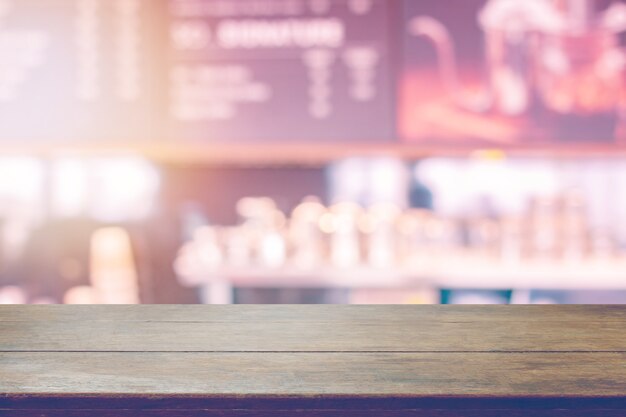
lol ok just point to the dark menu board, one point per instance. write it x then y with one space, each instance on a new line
195 70
281 69
76 70
500 73
513 73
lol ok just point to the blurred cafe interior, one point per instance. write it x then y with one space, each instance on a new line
312 151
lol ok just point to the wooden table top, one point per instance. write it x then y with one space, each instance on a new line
314 357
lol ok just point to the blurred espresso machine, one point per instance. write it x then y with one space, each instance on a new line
558 63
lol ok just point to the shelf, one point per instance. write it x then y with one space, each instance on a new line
595 275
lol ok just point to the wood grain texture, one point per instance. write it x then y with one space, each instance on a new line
326 361
313 374
313 328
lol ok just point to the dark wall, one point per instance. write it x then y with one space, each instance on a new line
216 190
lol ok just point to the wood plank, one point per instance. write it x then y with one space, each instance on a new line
304 313
314 328
325 361
314 375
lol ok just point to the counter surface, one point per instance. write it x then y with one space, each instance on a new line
364 361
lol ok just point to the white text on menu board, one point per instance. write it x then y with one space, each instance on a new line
89 40
26 49
21 51
213 91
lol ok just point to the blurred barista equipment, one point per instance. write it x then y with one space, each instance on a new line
76 233
318 240
557 58
113 273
